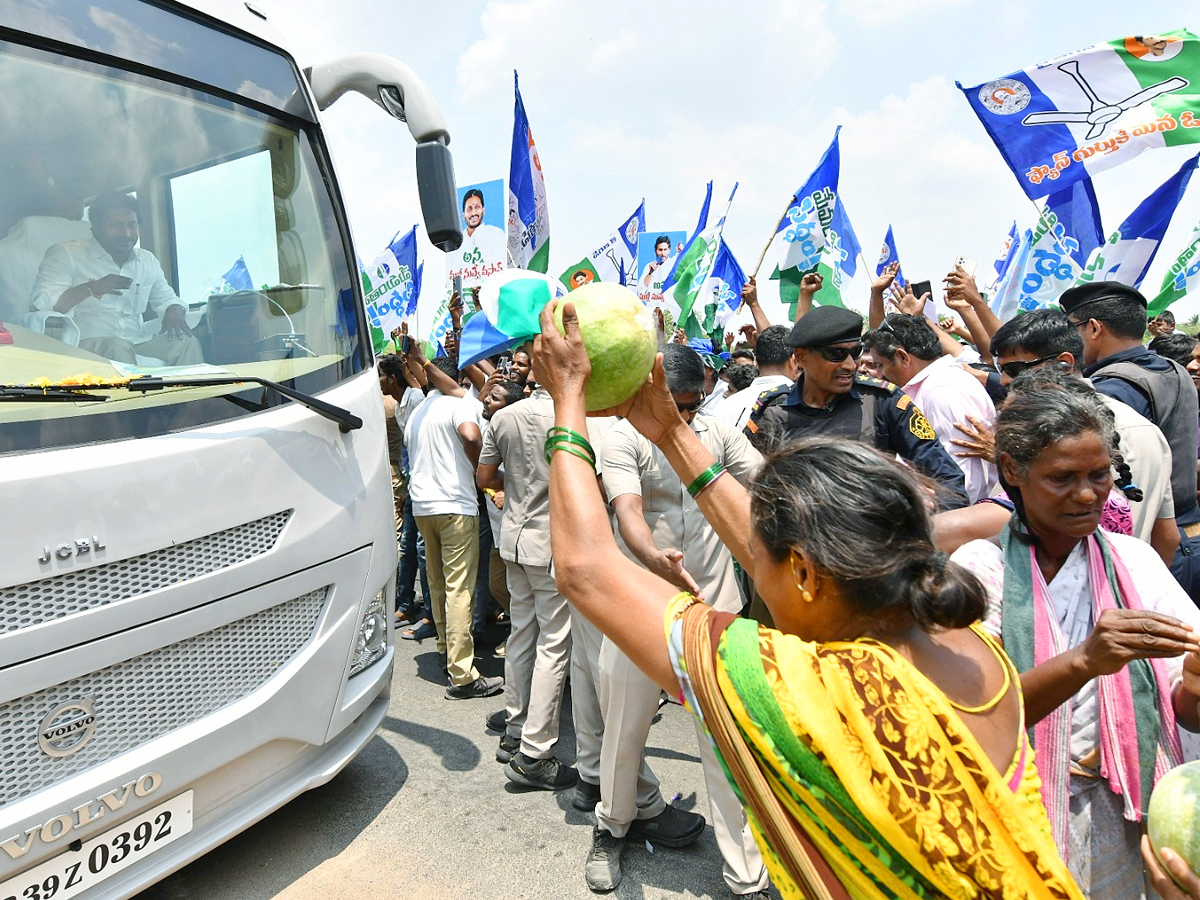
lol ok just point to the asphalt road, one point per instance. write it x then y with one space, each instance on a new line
425 811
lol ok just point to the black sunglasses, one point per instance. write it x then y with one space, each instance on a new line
839 354
1016 367
690 407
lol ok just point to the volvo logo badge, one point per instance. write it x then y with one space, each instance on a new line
67 728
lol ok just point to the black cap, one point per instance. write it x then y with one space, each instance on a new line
1075 297
826 325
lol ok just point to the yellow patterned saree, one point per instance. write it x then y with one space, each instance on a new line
848 749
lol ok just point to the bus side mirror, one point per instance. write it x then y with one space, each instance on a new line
439 198
399 92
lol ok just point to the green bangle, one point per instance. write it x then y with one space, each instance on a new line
559 442
558 434
568 449
705 478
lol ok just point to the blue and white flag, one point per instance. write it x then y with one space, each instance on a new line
510 302
689 278
1006 292
618 254
1066 120
1005 257
528 214
1127 254
721 293
1079 213
237 278
392 283
701 225
816 231
888 255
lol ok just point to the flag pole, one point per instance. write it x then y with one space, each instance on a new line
774 232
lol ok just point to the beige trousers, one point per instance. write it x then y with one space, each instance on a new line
181 351
536 659
451 563
585 696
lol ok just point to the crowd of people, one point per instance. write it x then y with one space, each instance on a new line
939 626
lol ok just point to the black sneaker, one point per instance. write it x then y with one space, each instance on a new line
602 871
547 774
672 827
483 686
497 721
587 795
508 746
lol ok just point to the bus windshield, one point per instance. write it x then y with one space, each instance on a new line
148 228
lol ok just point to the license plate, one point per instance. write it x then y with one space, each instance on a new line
75 871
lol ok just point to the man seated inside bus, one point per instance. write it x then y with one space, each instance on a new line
105 283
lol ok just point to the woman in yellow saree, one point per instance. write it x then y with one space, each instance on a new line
877 737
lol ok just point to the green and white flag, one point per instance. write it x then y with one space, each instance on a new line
1182 278
694 267
528 215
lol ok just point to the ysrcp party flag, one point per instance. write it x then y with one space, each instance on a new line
528 215
1127 254
1005 256
576 276
1048 269
888 255
1079 213
236 279
701 224
391 285
1006 292
695 264
816 231
720 296
618 254
1182 278
1063 121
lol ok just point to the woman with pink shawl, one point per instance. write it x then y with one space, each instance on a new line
1103 635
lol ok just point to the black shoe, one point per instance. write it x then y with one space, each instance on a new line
672 827
483 686
547 774
602 871
587 795
508 746
497 721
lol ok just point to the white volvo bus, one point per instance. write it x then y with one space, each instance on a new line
196 561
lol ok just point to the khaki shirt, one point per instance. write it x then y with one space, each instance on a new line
517 439
632 465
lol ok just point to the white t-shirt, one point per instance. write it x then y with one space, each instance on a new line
442 480
736 409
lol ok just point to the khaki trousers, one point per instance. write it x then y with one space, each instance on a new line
629 789
498 579
585 696
451 563
536 659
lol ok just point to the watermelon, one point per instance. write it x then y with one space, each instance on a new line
618 334
1173 816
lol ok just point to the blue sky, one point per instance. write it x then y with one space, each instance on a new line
630 100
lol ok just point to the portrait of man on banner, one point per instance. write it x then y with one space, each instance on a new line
656 253
485 242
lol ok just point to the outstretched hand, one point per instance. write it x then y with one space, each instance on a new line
1123 635
885 279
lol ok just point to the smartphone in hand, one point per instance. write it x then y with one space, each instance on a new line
967 264
458 285
405 344
921 288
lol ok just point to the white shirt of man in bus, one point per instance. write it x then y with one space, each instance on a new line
106 282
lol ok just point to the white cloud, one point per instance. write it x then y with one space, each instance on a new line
879 13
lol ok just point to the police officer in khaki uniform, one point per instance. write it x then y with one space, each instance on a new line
831 398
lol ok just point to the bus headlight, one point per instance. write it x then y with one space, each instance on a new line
371 643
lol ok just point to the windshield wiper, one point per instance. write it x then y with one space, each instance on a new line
34 394
345 419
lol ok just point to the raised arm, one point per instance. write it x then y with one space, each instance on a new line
750 298
877 312
809 285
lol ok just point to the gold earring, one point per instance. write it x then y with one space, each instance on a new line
804 594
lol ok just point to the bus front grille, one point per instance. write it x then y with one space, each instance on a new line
143 698
35 602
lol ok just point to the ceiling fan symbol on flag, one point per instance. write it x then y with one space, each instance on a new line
1101 113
